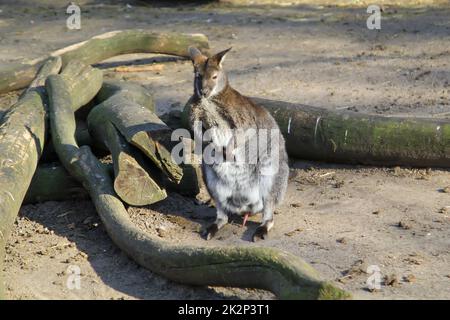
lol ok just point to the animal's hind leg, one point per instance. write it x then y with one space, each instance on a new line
221 220
263 229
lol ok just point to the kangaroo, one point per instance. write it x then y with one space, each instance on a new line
255 185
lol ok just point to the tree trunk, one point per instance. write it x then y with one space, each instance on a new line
83 138
138 94
101 47
121 102
51 182
132 182
140 127
340 136
347 137
282 273
22 135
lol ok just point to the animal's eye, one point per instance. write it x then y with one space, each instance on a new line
214 77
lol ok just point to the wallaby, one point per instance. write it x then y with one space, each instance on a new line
237 187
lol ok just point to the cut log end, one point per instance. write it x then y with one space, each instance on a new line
134 185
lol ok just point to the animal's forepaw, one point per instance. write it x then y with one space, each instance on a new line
261 233
210 231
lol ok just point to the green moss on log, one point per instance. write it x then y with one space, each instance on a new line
51 182
347 137
22 137
139 126
132 183
101 47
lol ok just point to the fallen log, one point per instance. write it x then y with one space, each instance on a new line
341 136
346 137
192 182
153 67
132 183
87 85
189 183
51 182
83 138
83 82
138 94
284 274
138 125
22 135
18 75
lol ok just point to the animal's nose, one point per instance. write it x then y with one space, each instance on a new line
204 91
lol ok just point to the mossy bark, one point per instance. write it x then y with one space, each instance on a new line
138 94
346 137
51 182
83 138
22 136
341 136
139 126
132 183
284 274
84 83
101 47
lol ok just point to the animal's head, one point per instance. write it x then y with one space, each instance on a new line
210 78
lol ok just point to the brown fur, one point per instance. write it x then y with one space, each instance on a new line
236 188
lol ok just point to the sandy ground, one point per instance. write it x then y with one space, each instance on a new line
341 219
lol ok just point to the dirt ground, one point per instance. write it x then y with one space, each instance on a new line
341 219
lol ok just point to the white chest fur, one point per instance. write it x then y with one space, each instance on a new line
217 130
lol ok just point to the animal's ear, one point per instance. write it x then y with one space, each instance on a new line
196 56
218 58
